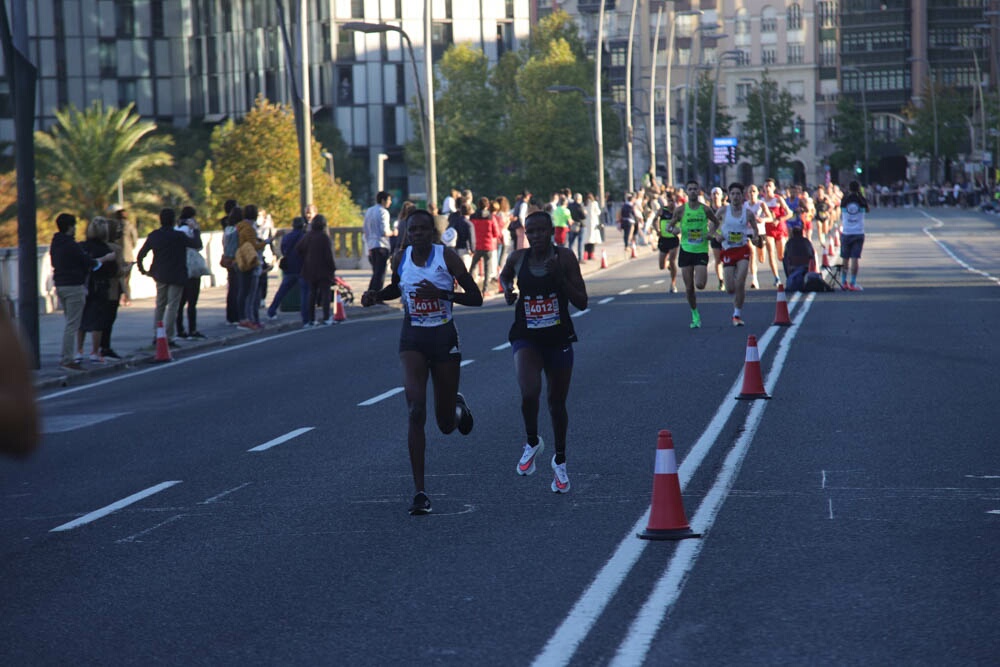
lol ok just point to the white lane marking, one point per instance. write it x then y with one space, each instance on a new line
582 312
65 423
225 493
104 511
954 257
830 500
585 613
280 439
993 512
607 299
466 362
983 476
141 533
502 347
660 281
643 286
624 292
634 650
823 483
381 397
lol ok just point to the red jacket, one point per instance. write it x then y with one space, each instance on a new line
487 231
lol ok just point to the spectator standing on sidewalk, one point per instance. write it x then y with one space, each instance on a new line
196 268
487 233
318 270
129 240
97 309
249 269
230 243
169 269
377 230
291 271
71 268
115 230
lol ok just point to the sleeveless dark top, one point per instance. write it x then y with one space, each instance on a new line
541 313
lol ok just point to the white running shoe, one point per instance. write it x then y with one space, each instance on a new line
526 466
560 480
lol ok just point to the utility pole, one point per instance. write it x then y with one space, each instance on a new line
23 77
599 126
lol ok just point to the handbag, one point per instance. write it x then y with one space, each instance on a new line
196 264
246 257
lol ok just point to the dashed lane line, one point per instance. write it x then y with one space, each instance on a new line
607 299
281 439
113 507
381 397
580 313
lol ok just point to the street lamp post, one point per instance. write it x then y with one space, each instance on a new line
864 110
982 101
716 36
630 167
651 138
930 72
670 65
328 156
426 129
598 122
725 55
598 145
763 124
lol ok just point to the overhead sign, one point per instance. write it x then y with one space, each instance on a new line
724 150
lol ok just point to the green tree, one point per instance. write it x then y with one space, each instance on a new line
82 159
723 123
256 161
557 26
952 127
782 140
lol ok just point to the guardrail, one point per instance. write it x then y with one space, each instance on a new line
348 251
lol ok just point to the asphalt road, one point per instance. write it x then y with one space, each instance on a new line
852 519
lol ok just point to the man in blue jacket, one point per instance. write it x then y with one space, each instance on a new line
169 269
291 271
71 267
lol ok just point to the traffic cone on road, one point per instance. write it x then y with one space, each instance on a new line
781 309
604 259
633 250
826 255
836 238
162 344
666 513
338 308
753 382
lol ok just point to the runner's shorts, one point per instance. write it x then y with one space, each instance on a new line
553 356
685 258
733 255
850 245
668 243
438 344
776 230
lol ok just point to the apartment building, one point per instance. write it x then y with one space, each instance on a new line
203 61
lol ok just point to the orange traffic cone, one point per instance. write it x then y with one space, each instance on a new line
666 514
633 250
162 345
604 259
826 255
781 309
338 308
753 383
836 238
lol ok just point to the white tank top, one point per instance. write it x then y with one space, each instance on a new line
425 312
734 229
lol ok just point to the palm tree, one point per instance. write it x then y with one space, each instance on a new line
83 158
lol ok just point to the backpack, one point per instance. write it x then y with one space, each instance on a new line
814 283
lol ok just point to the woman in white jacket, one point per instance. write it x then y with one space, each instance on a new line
592 234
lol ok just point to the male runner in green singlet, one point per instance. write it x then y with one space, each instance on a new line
694 223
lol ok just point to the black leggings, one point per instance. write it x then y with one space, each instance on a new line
192 290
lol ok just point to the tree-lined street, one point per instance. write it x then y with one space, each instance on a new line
852 519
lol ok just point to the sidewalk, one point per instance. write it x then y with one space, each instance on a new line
133 334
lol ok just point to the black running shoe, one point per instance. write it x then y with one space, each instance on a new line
421 505
110 354
465 420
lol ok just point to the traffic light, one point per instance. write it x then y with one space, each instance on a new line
857 168
730 154
797 127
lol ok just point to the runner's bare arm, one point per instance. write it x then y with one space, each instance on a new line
567 272
507 275
387 293
471 296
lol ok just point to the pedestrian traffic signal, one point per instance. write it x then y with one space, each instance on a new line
797 127
730 154
857 168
